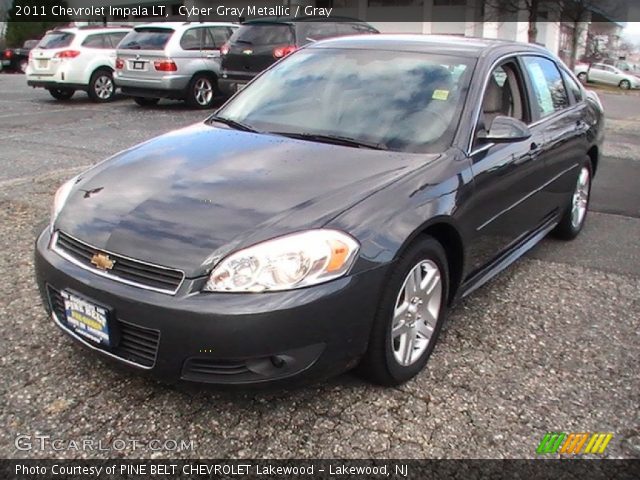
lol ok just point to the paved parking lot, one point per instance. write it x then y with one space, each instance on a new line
553 344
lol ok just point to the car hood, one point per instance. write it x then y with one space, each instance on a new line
189 197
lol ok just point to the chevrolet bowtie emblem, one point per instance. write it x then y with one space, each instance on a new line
247 52
102 261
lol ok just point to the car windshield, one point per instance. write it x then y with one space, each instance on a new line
56 40
267 34
403 101
148 38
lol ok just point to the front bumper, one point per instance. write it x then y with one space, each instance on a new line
222 338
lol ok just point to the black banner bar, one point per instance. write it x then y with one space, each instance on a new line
319 469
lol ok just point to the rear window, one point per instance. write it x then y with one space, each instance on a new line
269 34
56 40
146 39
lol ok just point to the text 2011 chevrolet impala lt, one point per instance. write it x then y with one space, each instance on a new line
327 215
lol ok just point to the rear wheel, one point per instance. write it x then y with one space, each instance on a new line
412 310
101 86
575 214
201 92
625 84
146 102
62 93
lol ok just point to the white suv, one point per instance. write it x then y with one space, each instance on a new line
71 59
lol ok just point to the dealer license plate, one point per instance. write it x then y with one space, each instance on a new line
6 62
87 319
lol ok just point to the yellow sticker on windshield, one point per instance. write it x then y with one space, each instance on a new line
440 94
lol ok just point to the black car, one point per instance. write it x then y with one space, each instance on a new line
327 216
259 43
17 59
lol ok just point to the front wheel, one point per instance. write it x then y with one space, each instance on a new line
101 86
62 93
201 92
625 85
146 102
575 214
411 313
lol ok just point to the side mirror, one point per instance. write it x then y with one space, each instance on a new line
505 130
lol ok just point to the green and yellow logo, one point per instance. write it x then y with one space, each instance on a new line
574 443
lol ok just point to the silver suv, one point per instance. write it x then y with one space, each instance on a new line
180 61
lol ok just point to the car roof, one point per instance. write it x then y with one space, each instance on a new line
184 25
92 29
443 44
292 20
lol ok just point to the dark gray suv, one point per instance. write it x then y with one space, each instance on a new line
257 44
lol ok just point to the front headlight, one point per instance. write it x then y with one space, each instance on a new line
60 199
284 263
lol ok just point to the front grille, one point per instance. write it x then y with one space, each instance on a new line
136 344
125 269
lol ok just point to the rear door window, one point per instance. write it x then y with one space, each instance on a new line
116 38
267 34
147 38
192 39
56 40
549 92
217 36
96 41
573 87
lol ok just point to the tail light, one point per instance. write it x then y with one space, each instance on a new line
280 52
119 64
165 66
67 54
224 49
8 53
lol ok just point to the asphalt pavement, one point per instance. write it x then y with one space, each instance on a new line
552 344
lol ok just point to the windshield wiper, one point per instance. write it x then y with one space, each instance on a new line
334 139
232 123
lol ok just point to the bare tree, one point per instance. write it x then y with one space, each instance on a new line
536 10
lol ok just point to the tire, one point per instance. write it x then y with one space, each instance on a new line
201 91
146 102
388 361
576 211
22 66
62 93
582 76
625 84
101 86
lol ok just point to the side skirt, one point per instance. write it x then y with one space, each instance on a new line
507 258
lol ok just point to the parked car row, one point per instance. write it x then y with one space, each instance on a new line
194 62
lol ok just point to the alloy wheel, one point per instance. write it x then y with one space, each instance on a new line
104 87
625 84
580 200
416 312
203 91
